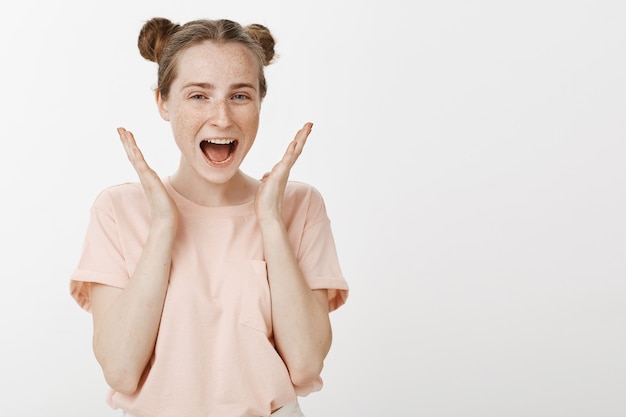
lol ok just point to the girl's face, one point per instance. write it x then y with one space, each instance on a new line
213 107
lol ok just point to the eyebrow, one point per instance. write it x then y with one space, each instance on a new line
209 86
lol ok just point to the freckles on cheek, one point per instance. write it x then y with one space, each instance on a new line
182 123
253 122
183 129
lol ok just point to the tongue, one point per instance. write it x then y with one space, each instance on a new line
216 153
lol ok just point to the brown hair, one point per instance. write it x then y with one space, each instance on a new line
162 41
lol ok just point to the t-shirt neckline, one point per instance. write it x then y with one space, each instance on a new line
187 206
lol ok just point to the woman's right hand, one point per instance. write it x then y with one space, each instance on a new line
162 207
126 321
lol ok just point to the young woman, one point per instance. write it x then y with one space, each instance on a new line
210 290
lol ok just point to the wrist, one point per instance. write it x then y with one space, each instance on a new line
270 223
164 228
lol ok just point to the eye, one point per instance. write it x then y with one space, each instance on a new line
240 96
198 97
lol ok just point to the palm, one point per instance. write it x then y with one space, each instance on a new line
269 196
161 204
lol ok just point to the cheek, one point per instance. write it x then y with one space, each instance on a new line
184 128
252 122
184 121
255 122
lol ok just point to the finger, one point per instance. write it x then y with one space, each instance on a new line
295 147
135 155
128 140
302 136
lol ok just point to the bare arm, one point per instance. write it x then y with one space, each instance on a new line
301 323
126 322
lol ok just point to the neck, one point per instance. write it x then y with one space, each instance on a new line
237 190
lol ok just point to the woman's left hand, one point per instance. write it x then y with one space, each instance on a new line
269 197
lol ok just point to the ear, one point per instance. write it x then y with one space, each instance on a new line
162 106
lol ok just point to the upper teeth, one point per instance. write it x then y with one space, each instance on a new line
221 141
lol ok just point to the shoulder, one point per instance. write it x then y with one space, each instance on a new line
302 192
129 193
121 206
302 199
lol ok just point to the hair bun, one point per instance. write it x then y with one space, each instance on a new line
154 36
263 37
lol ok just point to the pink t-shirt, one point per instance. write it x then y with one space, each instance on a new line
214 355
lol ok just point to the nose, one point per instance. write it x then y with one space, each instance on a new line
220 114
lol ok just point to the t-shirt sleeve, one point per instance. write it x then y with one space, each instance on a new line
317 254
101 259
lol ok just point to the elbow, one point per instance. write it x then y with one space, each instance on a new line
306 368
119 377
306 374
120 381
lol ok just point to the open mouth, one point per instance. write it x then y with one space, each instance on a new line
218 151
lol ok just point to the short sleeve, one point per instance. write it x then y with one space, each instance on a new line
101 259
316 250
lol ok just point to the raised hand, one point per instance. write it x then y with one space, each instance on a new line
162 207
269 196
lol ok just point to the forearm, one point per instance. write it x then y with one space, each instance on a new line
301 323
126 328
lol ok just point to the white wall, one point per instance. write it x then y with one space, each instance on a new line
471 154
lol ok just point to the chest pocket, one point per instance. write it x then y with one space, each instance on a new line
255 308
